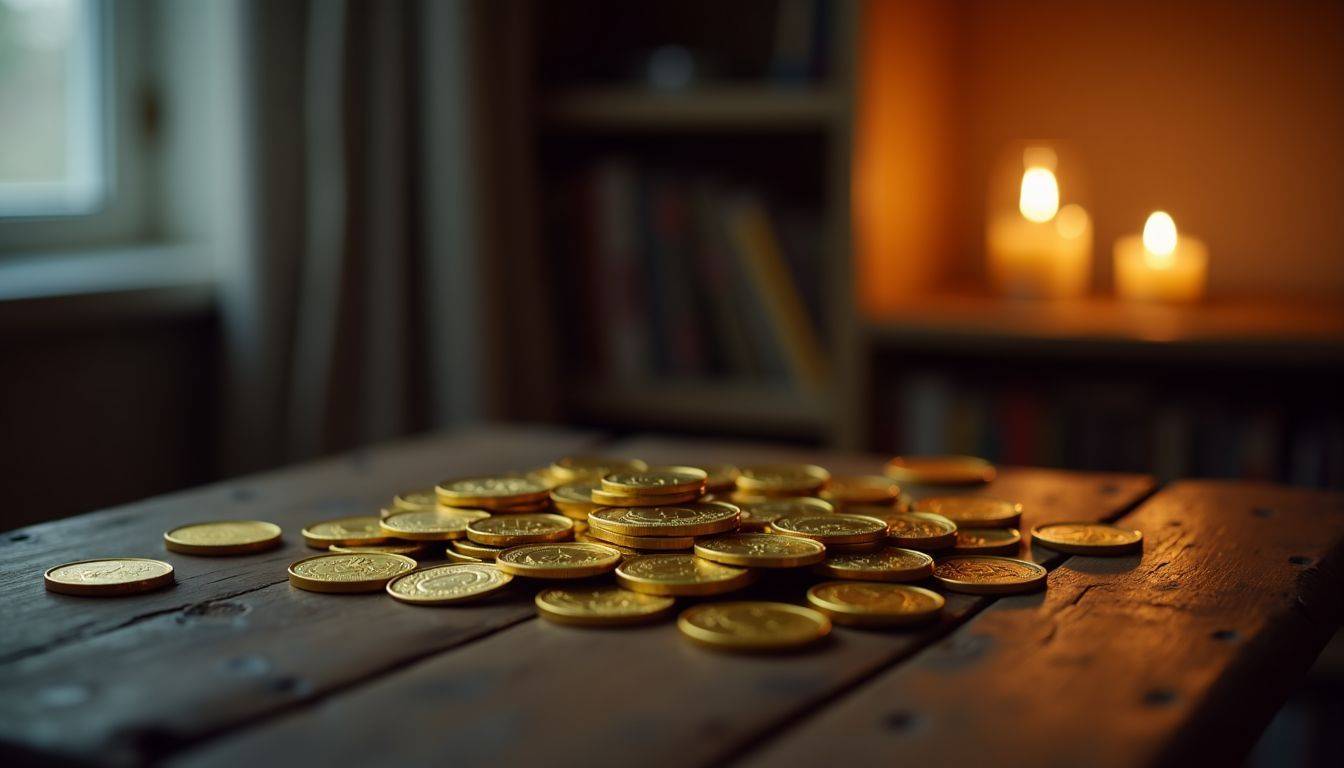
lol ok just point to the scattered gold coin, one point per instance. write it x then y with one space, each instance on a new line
600 497
108 576
989 575
832 528
681 575
678 520
458 557
492 492
414 500
655 481
572 468
868 604
563 560
862 489
987 541
973 511
753 626
512 530
575 500
758 514
472 549
640 542
626 552
223 537
889 564
347 573
722 478
761 550
431 524
603 605
1096 539
358 531
940 470
922 531
448 584
409 550
783 479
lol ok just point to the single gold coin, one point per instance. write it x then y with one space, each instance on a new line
640 542
832 528
512 530
458 557
572 468
448 584
411 501
877 545
973 511
888 564
431 524
758 514
626 552
494 490
1096 539
348 572
562 560
783 479
862 489
578 494
922 531
358 531
753 626
108 576
722 478
987 541
223 537
679 520
761 550
409 550
602 498
680 575
472 549
886 512
875 604
989 575
655 481
940 470
600 606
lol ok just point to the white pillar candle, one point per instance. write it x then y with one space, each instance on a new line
1041 250
1160 265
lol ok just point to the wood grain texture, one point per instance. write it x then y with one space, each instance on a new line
1178 656
541 692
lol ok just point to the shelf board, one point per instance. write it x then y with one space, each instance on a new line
1242 332
749 409
738 107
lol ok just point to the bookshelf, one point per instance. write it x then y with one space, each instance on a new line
736 107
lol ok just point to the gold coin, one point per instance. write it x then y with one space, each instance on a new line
989 575
876 545
973 511
458 557
347 531
862 489
783 479
409 550
940 470
346 573
572 468
722 478
655 481
686 575
499 490
681 520
832 529
626 552
108 576
603 605
504 508
512 530
602 498
224 537
922 531
640 542
764 511
544 475
987 541
761 550
432 524
869 604
886 512
753 626
448 584
563 560
478 551
889 564
1097 539
577 494
411 501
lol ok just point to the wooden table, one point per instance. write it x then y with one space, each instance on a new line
1180 654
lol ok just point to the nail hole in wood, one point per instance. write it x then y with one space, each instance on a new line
899 721
1225 635
1262 512
1158 697
1300 560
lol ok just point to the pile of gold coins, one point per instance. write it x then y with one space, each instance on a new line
616 542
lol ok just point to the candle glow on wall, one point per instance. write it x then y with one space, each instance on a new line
1036 248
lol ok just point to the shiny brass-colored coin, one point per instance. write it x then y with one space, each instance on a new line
108 576
602 498
431 524
500 508
410 501
448 584
626 552
655 481
832 529
722 478
889 564
640 542
861 489
940 470
562 560
600 606
869 604
496 490
223 537
479 551
989 575
783 479
512 530
761 550
347 531
680 575
680 520
572 468
759 514
409 550
886 512
923 531
973 511
576 494
458 557
866 547
347 573
1096 539
987 541
753 626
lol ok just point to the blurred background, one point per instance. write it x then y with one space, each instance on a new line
238 234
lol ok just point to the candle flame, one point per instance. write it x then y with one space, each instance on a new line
1159 239
1039 201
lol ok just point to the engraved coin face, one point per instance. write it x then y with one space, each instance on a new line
833 528
940 470
493 487
223 537
890 564
753 626
572 468
761 550
987 541
600 605
655 481
348 572
759 514
678 520
875 604
862 489
563 560
973 511
447 584
782 479
989 575
680 575
108 576
510 530
421 499
575 493
1097 539
347 531
921 530
431 524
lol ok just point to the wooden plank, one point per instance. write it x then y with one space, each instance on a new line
541 692
1180 656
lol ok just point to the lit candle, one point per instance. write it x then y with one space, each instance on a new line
1159 265
1041 250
